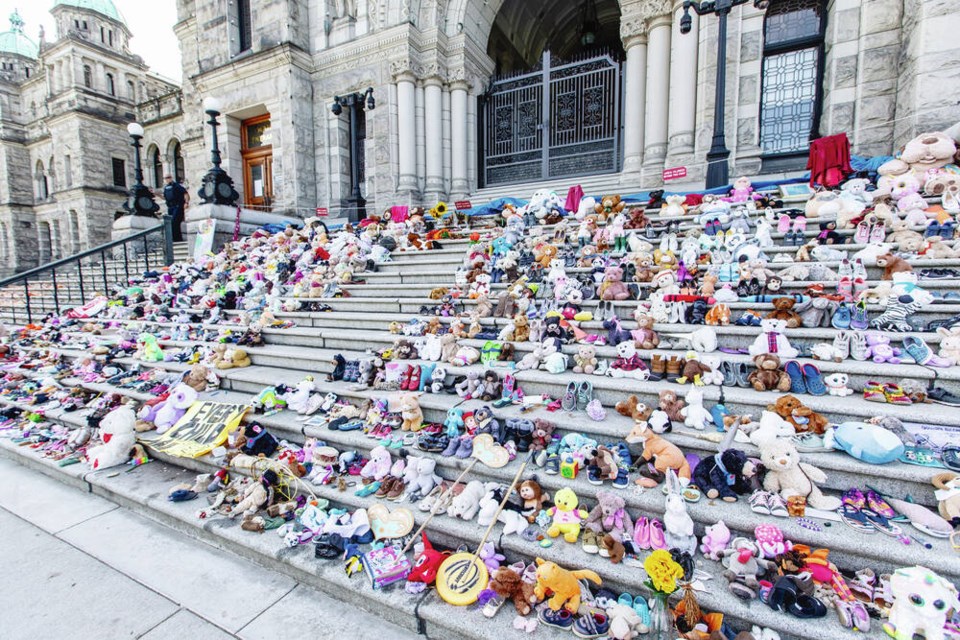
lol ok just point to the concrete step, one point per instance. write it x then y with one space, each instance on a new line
146 486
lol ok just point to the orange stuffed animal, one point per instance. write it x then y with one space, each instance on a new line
562 583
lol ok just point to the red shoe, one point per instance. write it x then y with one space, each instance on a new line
405 378
414 384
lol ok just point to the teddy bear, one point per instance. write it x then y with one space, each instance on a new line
613 287
671 404
198 377
644 335
695 415
628 364
411 413
799 415
836 384
789 477
725 475
609 206
892 264
585 359
467 503
521 328
693 370
783 310
768 376
934 248
610 516
542 434
633 408
715 540
118 433
508 584
773 340
533 497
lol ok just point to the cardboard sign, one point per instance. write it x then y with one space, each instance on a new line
322 212
204 426
674 172
463 205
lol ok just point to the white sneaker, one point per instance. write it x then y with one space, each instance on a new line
841 345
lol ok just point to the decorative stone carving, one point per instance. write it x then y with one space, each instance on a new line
633 30
345 9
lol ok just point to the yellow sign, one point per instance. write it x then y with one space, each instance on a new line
204 426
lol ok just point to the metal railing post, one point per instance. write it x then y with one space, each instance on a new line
168 239
26 297
56 296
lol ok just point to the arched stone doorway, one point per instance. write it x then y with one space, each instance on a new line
554 107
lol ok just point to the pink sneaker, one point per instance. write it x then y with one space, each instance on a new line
641 533
783 225
657 540
862 234
800 224
878 233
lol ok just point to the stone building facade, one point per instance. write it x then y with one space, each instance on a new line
65 158
879 70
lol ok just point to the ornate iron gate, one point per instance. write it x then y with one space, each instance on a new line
562 119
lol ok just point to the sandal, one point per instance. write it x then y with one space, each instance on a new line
814 380
795 371
855 519
881 523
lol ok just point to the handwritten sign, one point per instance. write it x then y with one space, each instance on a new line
204 426
462 205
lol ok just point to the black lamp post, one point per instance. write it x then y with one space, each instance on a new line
217 186
355 102
718 169
140 201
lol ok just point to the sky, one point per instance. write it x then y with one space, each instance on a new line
151 24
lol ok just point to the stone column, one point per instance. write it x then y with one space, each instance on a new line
420 129
433 132
406 133
458 139
683 85
634 39
656 115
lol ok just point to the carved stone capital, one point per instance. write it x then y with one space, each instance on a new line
633 30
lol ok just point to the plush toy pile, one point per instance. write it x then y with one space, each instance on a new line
719 376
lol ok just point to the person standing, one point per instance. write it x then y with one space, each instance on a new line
177 200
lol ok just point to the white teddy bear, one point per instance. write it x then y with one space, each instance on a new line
837 384
117 430
695 415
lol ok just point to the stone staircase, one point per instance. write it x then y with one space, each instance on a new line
395 293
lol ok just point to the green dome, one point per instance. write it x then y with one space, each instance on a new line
106 7
15 42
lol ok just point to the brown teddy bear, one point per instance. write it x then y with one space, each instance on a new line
521 328
803 418
768 376
783 310
609 206
633 408
892 264
671 405
644 335
645 270
508 585
544 254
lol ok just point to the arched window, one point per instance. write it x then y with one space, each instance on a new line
87 76
178 173
157 165
111 89
792 76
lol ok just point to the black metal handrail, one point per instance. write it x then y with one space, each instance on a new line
47 274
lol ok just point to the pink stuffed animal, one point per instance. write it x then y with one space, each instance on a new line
378 466
770 541
715 541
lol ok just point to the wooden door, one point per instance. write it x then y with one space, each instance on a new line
257 162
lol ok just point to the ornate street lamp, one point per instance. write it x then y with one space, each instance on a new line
140 200
217 186
355 102
718 169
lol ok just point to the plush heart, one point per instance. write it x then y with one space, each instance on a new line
386 524
489 452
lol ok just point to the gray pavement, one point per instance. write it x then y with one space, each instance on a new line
78 566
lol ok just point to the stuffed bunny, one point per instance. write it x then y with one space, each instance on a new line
677 522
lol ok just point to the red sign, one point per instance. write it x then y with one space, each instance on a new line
674 173
322 212
462 205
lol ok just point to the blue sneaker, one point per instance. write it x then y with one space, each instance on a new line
591 625
622 481
552 466
841 317
795 371
593 475
561 619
